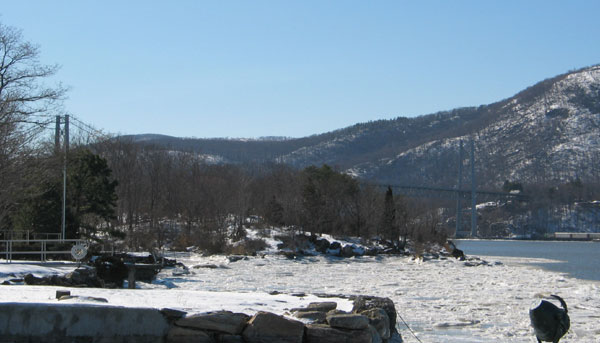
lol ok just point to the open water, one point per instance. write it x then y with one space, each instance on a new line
578 259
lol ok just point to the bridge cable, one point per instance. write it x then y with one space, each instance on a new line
408 327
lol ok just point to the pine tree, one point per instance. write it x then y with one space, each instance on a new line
388 218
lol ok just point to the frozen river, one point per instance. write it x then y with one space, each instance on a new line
442 300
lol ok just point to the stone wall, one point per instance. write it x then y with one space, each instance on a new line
371 320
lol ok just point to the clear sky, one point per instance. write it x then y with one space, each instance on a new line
296 68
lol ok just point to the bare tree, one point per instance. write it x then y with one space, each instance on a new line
26 105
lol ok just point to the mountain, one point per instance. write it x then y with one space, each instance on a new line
547 132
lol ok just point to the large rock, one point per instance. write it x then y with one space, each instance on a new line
321 245
222 321
316 333
324 306
84 277
348 321
267 327
230 339
313 316
184 335
379 320
347 251
364 303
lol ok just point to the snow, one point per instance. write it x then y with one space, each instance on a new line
441 300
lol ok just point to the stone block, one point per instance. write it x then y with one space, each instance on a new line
348 321
317 333
267 327
221 321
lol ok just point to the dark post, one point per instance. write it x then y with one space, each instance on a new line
473 192
458 187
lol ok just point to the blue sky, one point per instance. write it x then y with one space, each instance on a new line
296 68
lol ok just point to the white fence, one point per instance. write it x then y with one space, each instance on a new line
36 247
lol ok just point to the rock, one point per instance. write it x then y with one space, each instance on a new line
298 294
457 253
183 335
207 266
314 316
364 303
321 245
85 277
317 333
335 246
347 251
325 306
379 320
334 312
61 293
30 279
235 258
375 336
348 321
230 339
172 314
290 255
221 321
267 327
6 283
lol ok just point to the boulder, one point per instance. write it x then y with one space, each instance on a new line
364 303
184 335
221 321
316 333
172 314
230 339
335 246
348 321
235 258
267 327
86 277
324 306
347 251
380 321
321 245
314 316
30 279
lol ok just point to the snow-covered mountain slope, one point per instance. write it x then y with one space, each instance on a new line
549 131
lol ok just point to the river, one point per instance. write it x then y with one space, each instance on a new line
578 259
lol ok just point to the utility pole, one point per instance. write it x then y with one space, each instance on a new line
64 198
473 192
458 187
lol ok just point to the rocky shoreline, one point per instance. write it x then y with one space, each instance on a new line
371 320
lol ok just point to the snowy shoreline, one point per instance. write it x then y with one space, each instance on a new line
442 300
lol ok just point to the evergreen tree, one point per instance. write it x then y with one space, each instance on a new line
388 218
91 199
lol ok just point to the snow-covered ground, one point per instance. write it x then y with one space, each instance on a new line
441 300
